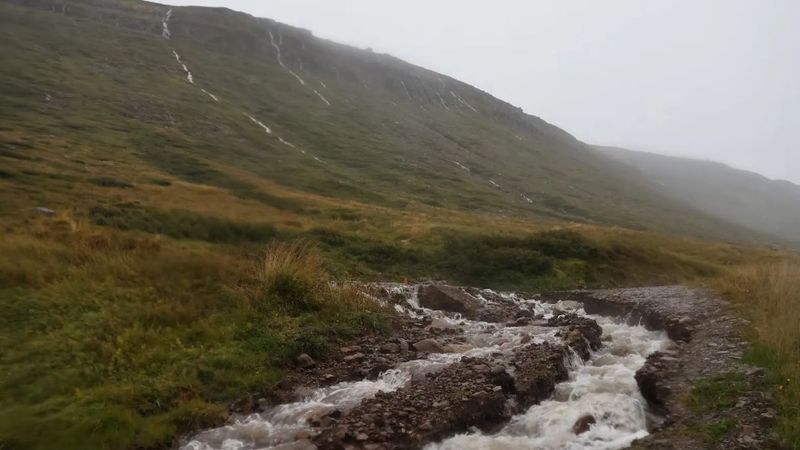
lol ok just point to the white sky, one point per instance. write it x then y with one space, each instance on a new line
713 79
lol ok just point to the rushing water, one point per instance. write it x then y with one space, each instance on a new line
603 387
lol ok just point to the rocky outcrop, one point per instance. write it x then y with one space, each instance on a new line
471 393
537 369
580 333
653 377
458 397
678 326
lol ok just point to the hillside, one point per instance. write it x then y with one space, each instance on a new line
735 196
138 92
192 198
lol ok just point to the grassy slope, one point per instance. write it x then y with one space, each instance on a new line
133 314
387 139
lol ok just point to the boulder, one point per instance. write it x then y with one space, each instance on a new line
429 346
305 361
448 298
390 348
583 424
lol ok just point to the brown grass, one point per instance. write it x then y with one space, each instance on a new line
768 295
294 273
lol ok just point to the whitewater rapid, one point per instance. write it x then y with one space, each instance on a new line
604 387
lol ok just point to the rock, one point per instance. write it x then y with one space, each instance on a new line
305 361
520 322
457 348
390 348
651 379
429 346
590 330
583 424
579 344
569 305
440 324
351 349
44 211
404 347
448 298
537 369
354 357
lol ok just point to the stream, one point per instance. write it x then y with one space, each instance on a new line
604 387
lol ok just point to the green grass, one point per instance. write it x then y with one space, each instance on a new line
713 432
719 393
180 224
712 398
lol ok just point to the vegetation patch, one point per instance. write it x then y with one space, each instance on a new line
769 295
124 341
717 394
713 432
111 182
180 224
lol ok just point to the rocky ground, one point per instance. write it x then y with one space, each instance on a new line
484 392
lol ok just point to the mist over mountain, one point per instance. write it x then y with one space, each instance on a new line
733 195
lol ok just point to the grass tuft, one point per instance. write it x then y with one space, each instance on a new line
294 273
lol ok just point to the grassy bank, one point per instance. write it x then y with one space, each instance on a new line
120 340
769 296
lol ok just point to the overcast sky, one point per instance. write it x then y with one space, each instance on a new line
712 79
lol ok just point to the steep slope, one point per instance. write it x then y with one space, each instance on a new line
204 94
736 196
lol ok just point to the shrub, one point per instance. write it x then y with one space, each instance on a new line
111 182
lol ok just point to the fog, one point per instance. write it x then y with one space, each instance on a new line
713 80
